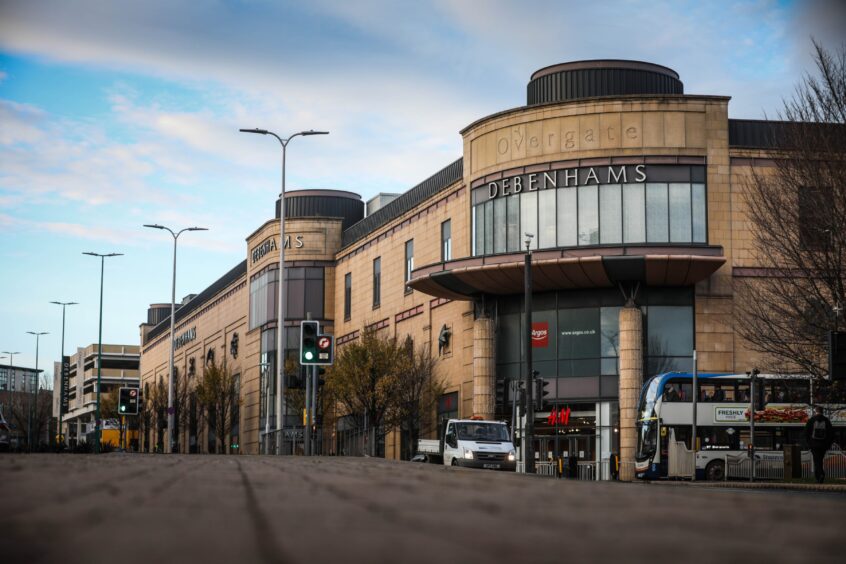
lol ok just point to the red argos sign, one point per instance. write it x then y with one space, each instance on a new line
540 334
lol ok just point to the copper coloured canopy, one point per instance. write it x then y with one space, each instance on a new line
464 279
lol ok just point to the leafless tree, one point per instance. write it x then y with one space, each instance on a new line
796 211
364 380
417 391
217 393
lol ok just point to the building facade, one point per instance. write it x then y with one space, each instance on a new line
632 192
119 369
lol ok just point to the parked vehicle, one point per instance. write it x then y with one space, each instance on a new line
471 443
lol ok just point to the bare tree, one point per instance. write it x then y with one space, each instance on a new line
416 396
364 381
796 211
217 393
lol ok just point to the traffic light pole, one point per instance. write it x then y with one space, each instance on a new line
307 430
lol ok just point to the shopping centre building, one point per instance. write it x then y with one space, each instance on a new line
632 191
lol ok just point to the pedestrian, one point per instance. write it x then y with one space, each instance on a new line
819 435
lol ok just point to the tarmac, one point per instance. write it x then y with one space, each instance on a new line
180 508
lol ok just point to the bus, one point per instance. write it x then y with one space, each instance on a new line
665 415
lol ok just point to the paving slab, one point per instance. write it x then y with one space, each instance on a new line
181 508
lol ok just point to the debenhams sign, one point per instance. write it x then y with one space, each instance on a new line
269 245
565 178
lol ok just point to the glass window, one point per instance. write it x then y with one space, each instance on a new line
567 222
670 330
489 221
656 213
377 281
634 213
588 216
700 213
499 226
478 231
529 216
446 240
347 295
513 229
263 297
546 219
409 259
678 390
610 214
578 333
680 220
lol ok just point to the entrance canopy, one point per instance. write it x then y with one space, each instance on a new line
463 279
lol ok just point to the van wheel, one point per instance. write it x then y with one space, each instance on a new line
715 471
454 463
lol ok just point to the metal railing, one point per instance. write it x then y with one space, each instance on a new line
834 464
741 466
548 469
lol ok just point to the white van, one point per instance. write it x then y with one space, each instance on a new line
474 444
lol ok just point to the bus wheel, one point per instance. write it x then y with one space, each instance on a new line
715 471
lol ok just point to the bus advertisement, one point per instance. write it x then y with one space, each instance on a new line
665 415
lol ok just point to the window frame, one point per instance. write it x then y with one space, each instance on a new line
377 282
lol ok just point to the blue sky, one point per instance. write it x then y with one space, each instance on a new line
116 114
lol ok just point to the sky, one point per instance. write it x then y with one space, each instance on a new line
115 114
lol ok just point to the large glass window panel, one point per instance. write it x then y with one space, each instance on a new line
578 333
669 330
700 214
499 226
634 213
567 218
529 216
479 229
546 218
489 223
610 214
588 216
657 215
609 327
513 229
680 213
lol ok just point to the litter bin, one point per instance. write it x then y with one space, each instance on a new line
792 461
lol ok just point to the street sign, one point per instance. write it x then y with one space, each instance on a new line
325 349
128 401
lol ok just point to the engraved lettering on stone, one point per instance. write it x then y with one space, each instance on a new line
570 139
502 146
631 133
589 136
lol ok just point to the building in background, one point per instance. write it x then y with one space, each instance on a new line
633 193
18 403
119 369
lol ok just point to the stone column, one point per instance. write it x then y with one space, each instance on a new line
484 368
631 380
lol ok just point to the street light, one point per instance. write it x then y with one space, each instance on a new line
103 258
281 385
62 382
172 323
35 390
9 377
529 464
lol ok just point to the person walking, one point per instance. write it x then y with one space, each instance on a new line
819 434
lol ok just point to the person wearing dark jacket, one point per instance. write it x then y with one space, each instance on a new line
819 434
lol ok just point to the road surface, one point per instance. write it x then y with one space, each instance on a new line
129 508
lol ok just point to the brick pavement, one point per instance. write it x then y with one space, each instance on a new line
158 508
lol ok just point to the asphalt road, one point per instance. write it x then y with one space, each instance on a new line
156 508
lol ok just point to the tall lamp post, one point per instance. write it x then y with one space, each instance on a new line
62 383
528 439
97 425
170 410
281 385
9 379
35 390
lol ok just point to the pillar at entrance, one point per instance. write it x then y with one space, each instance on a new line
484 363
631 381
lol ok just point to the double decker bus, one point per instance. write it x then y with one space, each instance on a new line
665 416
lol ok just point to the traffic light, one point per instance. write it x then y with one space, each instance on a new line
320 376
542 389
128 401
500 388
308 341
